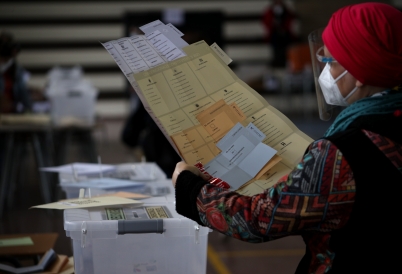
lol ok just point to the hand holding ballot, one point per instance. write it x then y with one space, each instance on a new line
180 166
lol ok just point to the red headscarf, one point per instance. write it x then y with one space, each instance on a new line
366 39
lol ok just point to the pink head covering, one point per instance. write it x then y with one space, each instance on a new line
366 39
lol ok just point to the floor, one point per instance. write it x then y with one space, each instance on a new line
225 255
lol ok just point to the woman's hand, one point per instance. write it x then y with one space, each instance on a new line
180 166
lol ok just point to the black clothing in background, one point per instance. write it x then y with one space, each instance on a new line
141 130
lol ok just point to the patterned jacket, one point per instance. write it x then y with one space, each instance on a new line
315 200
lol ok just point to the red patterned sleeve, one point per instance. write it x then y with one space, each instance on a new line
312 197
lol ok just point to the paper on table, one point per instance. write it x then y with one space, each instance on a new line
88 202
124 194
105 183
80 168
25 119
16 241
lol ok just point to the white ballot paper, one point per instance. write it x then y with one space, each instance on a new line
243 156
105 183
158 45
196 100
81 169
171 35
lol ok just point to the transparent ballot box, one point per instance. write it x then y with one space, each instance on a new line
147 238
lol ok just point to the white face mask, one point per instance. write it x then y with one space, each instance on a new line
5 66
330 89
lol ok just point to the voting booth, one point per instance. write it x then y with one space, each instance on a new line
147 238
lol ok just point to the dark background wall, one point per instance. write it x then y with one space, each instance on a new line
68 33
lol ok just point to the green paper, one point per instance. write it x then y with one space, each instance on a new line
16 241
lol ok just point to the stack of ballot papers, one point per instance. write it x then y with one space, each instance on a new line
206 112
135 177
100 186
139 171
100 201
50 263
25 119
24 250
81 169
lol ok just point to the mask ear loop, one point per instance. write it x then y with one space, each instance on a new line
340 76
351 93
353 90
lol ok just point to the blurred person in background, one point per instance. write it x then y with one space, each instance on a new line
343 197
15 95
281 26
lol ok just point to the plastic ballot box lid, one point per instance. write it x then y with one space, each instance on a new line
147 238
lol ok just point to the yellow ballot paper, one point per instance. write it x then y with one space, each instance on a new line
196 99
219 118
124 194
89 202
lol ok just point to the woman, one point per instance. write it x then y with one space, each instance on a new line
343 197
